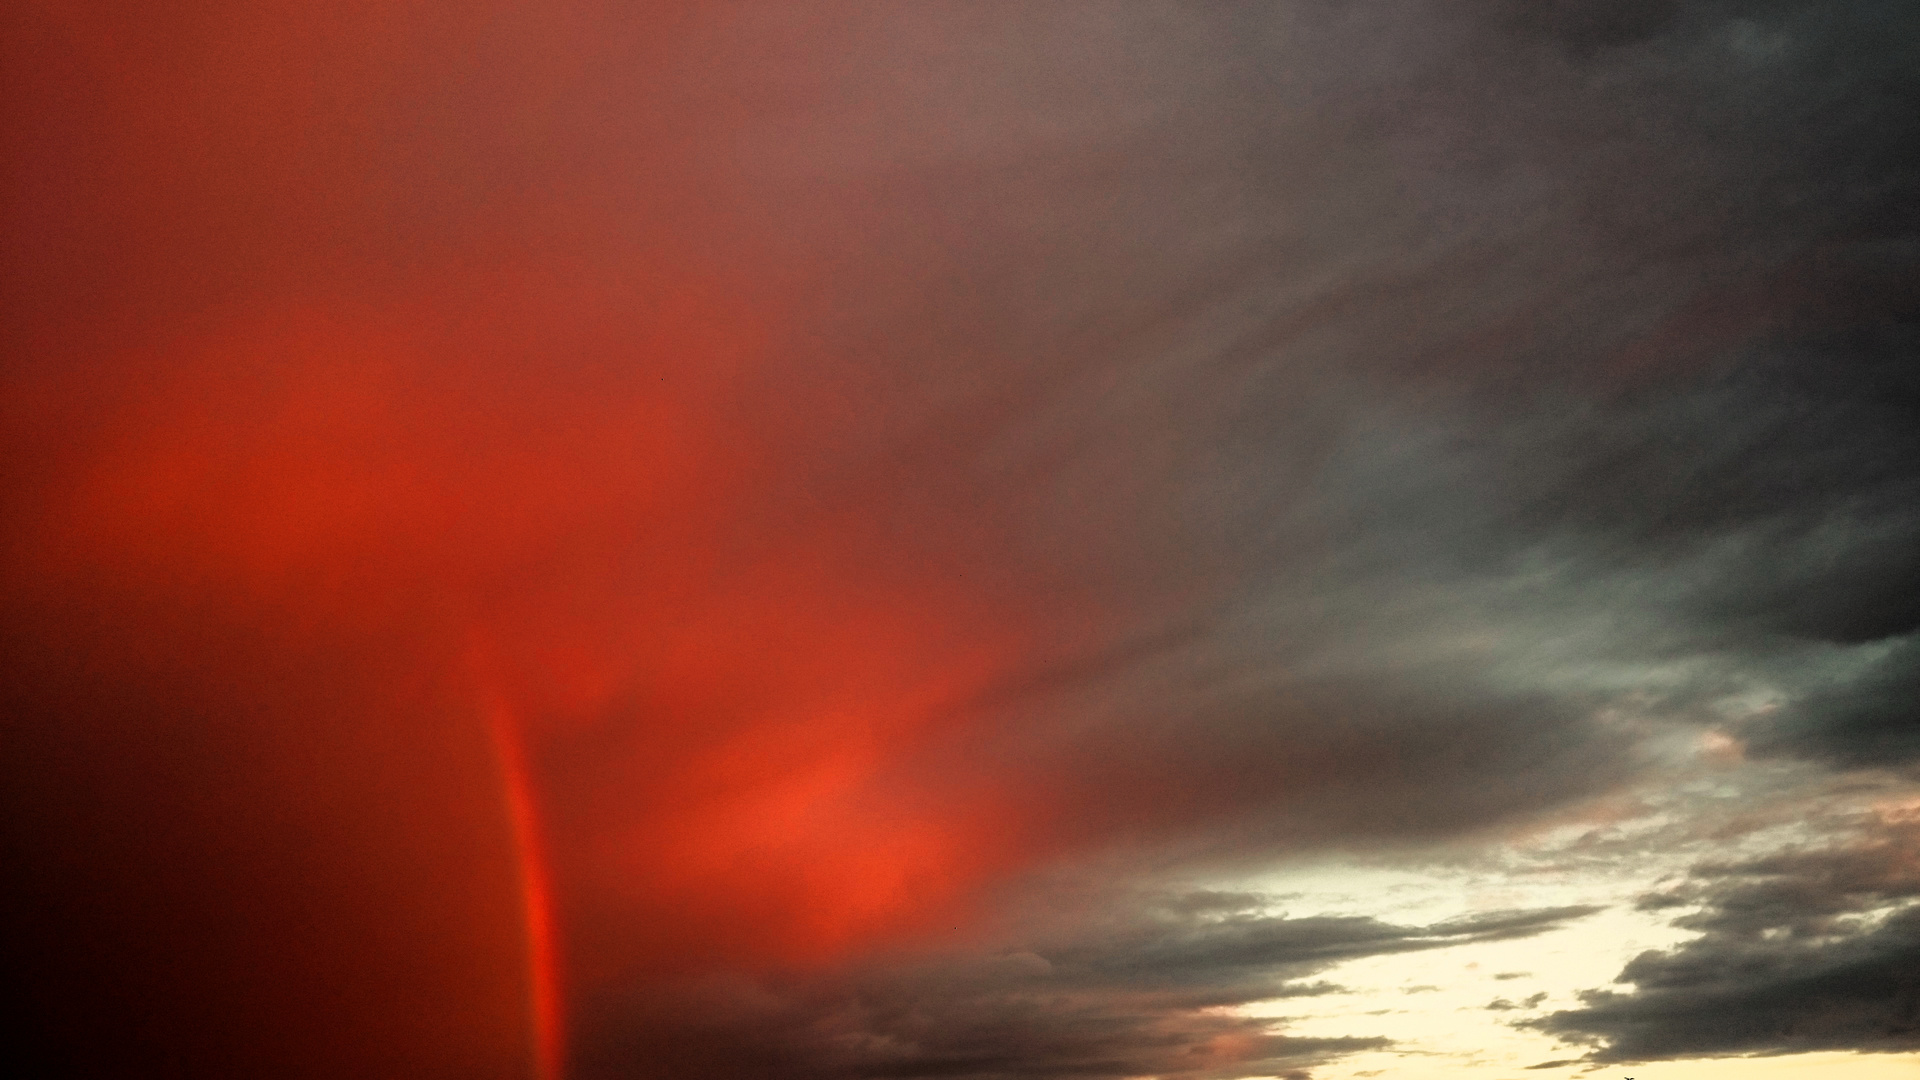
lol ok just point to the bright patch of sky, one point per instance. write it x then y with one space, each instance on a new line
1453 1011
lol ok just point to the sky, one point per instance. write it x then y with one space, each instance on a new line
1313 539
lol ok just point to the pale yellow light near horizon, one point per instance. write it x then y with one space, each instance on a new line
1436 1004
1815 1066
1463 1010
1839 1066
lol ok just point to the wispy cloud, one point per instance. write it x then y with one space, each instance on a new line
1152 993
1807 949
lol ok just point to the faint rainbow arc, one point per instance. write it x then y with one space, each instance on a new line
536 899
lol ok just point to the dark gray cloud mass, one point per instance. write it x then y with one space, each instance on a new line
1868 717
1413 377
1142 991
1422 360
1802 950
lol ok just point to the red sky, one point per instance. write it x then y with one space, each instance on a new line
357 407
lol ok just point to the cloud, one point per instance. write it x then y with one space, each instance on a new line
1806 949
1865 717
1758 524
1147 994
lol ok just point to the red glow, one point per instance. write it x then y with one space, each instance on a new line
725 717
360 427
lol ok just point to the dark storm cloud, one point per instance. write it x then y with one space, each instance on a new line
1520 324
1416 386
1761 523
1802 950
1135 994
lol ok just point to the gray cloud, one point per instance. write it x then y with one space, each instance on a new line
1868 714
1132 995
1378 359
1802 950
1436 399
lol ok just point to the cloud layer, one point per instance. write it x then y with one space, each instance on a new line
1801 950
1146 989
872 462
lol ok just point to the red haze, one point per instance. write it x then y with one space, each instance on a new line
436 584
717 694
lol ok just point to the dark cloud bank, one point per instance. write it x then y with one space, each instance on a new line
1802 950
1431 352
1140 992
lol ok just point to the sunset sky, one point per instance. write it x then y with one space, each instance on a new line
598 540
